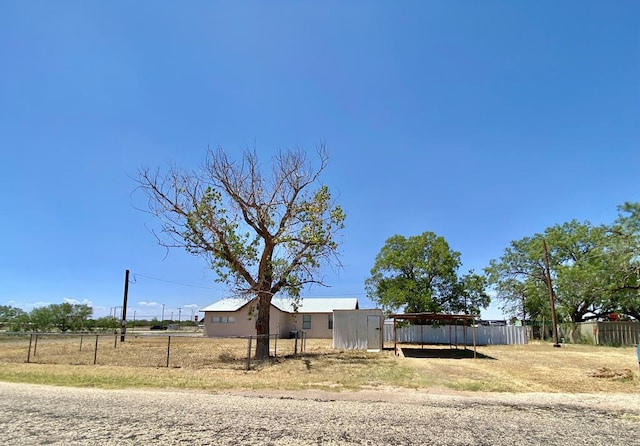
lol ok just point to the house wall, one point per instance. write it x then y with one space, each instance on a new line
242 326
281 323
319 325
244 322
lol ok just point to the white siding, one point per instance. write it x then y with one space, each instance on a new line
350 329
428 334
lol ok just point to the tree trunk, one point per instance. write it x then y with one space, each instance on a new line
262 325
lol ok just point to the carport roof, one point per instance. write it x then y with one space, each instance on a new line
434 316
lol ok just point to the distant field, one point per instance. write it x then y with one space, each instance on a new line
218 364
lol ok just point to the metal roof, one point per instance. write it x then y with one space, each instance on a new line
229 304
434 316
306 305
317 304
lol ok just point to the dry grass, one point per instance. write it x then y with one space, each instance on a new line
215 364
538 367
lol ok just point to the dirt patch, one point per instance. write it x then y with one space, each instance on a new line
606 372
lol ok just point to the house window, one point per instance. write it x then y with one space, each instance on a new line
330 322
306 321
216 319
223 319
231 319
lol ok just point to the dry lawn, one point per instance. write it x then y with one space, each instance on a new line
217 364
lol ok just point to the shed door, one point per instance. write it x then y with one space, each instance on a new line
373 333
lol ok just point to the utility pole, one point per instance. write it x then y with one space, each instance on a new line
162 320
123 321
179 313
551 295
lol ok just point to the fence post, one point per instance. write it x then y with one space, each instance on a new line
35 345
29 353
115 340
249 353
638 351
303 347
95 352
295 344
275 346
81 337
168 350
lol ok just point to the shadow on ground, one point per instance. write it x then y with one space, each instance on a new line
441 353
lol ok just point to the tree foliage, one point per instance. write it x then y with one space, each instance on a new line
420 274
594 270
61 317
262 233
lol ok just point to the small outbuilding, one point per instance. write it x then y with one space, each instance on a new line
358 329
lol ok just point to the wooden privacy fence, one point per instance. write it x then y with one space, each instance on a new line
605 333
457 334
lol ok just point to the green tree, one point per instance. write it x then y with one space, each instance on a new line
9 314
64 317
593 270
624 260
107 322
41 319
419 274
67 316
262 235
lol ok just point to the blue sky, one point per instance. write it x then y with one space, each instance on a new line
483 122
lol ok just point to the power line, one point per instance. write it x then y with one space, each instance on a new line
135 275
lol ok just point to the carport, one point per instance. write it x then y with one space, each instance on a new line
453 319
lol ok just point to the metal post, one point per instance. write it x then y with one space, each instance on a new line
639 351
115 340
123 322
474 339
95 352
81 337
249 353
395 337
464 332
168 350
456 329
275 346
295 344
29 353
35 345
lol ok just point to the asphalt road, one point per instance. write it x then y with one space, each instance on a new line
46 415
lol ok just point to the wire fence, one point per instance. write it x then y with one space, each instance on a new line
145 350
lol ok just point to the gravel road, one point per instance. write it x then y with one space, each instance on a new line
39 415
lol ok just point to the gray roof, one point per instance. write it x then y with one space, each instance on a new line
307 304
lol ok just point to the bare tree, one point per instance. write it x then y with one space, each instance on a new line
261 234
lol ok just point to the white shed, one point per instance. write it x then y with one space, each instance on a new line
358 329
